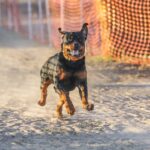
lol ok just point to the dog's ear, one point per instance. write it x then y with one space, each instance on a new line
84 30
60 31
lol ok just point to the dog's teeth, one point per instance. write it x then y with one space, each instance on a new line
74 53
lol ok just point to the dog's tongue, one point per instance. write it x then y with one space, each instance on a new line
75 53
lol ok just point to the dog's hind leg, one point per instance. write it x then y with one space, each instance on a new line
44 87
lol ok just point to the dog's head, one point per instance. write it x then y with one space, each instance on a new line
73 43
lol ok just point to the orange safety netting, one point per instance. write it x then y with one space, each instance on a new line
120 29
128 24
75 13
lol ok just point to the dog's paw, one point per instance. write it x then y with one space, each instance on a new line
88 107
70 110
41 103
58 115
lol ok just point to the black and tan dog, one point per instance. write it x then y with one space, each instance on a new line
67 70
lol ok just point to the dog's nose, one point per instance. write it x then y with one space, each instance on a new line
76 46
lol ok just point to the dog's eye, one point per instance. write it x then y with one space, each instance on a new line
70 39
68 50
80 39
80 51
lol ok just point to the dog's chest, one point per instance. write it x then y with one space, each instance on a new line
68 77
68 80
71 75
68 69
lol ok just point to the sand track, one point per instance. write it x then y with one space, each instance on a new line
120 121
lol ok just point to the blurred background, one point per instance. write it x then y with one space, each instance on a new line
118 30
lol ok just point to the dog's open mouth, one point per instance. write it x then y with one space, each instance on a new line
74 53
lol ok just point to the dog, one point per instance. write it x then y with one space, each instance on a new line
67 70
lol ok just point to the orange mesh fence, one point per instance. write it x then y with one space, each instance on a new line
129 28
70 15
120 29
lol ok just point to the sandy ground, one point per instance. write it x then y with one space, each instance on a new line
121 94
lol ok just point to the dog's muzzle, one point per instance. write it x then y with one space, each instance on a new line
75 53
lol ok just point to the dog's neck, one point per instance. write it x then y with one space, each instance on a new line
71 65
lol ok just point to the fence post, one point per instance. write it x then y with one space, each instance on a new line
62 13
40 20
81 12
30 30
0 14
16 17
48 20
9 15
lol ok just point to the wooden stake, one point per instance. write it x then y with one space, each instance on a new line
30 29
41 20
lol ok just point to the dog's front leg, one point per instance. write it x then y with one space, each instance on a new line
65 99
60 105
69 105
44 87
83 91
